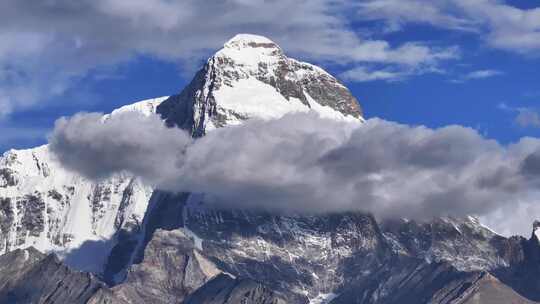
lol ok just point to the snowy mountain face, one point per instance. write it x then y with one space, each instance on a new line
252 78
52 209
156 247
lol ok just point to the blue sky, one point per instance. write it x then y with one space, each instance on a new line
468 62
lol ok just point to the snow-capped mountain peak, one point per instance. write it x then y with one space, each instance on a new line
249 54
252 40
258 49
251 77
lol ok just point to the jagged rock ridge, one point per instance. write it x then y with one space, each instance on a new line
28 276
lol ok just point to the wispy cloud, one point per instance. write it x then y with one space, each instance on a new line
528 118
524 117
398 13
481 74
500 25
392 73
476 75
364 74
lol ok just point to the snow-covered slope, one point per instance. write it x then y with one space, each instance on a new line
45 206
146 107
250 77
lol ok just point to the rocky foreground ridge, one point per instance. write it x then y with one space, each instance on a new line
120 241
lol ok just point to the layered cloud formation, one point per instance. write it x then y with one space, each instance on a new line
501 25
303 163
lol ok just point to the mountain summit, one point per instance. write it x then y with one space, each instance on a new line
250 77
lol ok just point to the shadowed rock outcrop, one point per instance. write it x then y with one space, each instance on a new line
28 276
224 289
171 269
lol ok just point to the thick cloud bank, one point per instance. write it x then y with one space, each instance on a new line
303 163
97 147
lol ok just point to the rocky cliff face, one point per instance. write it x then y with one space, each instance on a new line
225 289
28 276
172 269
319 259
157 247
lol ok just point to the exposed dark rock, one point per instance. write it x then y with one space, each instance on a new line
465 243
489 290
55 195
99 198
127 200
28 276
7 178
32 208
409 282
6 222
164 212
406 280
293 255
172 268
225 289
178 110
523 272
